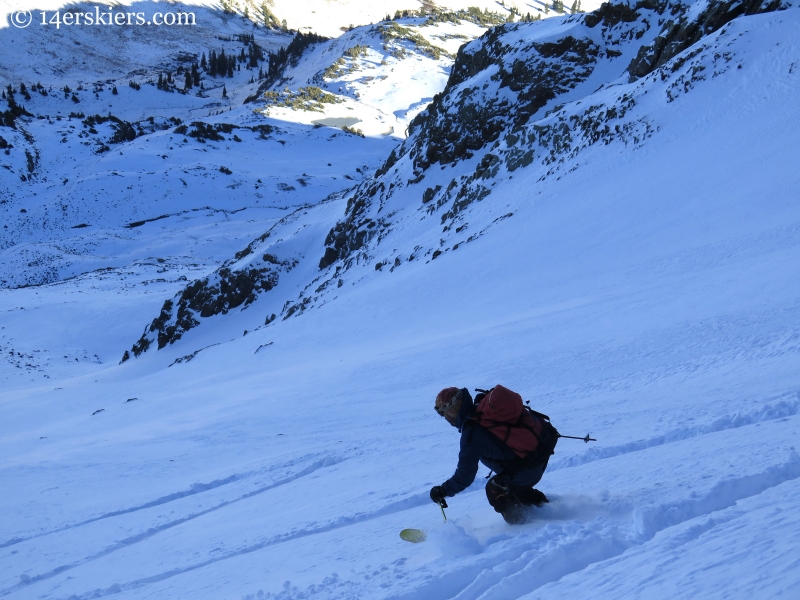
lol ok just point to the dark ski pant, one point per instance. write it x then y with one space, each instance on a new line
509 495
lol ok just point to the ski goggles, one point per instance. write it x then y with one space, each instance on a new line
445 408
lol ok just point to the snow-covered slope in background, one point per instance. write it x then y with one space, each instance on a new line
79 193
326 17
530 99
643 289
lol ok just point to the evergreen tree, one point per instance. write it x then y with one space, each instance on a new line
222 63
212 64
203 63
256 54
114 91
187 83
195 75
224 91
160 84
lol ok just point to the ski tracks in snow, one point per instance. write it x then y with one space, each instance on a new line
786 406
519 565
569 552
505 566
573 532
342 522
197 488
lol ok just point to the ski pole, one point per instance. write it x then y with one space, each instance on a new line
586 439
442 509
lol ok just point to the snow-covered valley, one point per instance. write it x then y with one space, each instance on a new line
220 343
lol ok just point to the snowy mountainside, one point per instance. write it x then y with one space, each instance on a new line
102 205
518 98
95 113
330 18
102 151
328 87
526 99
54 55
326 17
647 296
99 135
394 67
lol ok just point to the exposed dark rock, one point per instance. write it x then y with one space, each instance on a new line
226 289
677 36
610 14
429 193
516 101
328 258
457 125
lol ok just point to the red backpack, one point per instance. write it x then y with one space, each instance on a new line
527 432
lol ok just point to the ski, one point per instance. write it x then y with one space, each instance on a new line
415 536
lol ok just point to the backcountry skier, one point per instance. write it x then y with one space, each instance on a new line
506 436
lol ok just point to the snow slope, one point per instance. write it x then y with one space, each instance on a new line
71 193
647 296
325 17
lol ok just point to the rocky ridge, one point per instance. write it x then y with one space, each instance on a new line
238 282
532 96
527 95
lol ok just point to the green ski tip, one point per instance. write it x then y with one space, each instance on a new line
413 535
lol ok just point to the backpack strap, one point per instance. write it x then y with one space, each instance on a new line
542 416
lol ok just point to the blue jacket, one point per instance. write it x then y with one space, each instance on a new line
477 445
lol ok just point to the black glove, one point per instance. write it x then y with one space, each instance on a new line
438 495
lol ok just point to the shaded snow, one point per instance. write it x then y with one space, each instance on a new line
647 296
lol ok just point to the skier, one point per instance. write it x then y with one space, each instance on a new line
511 489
